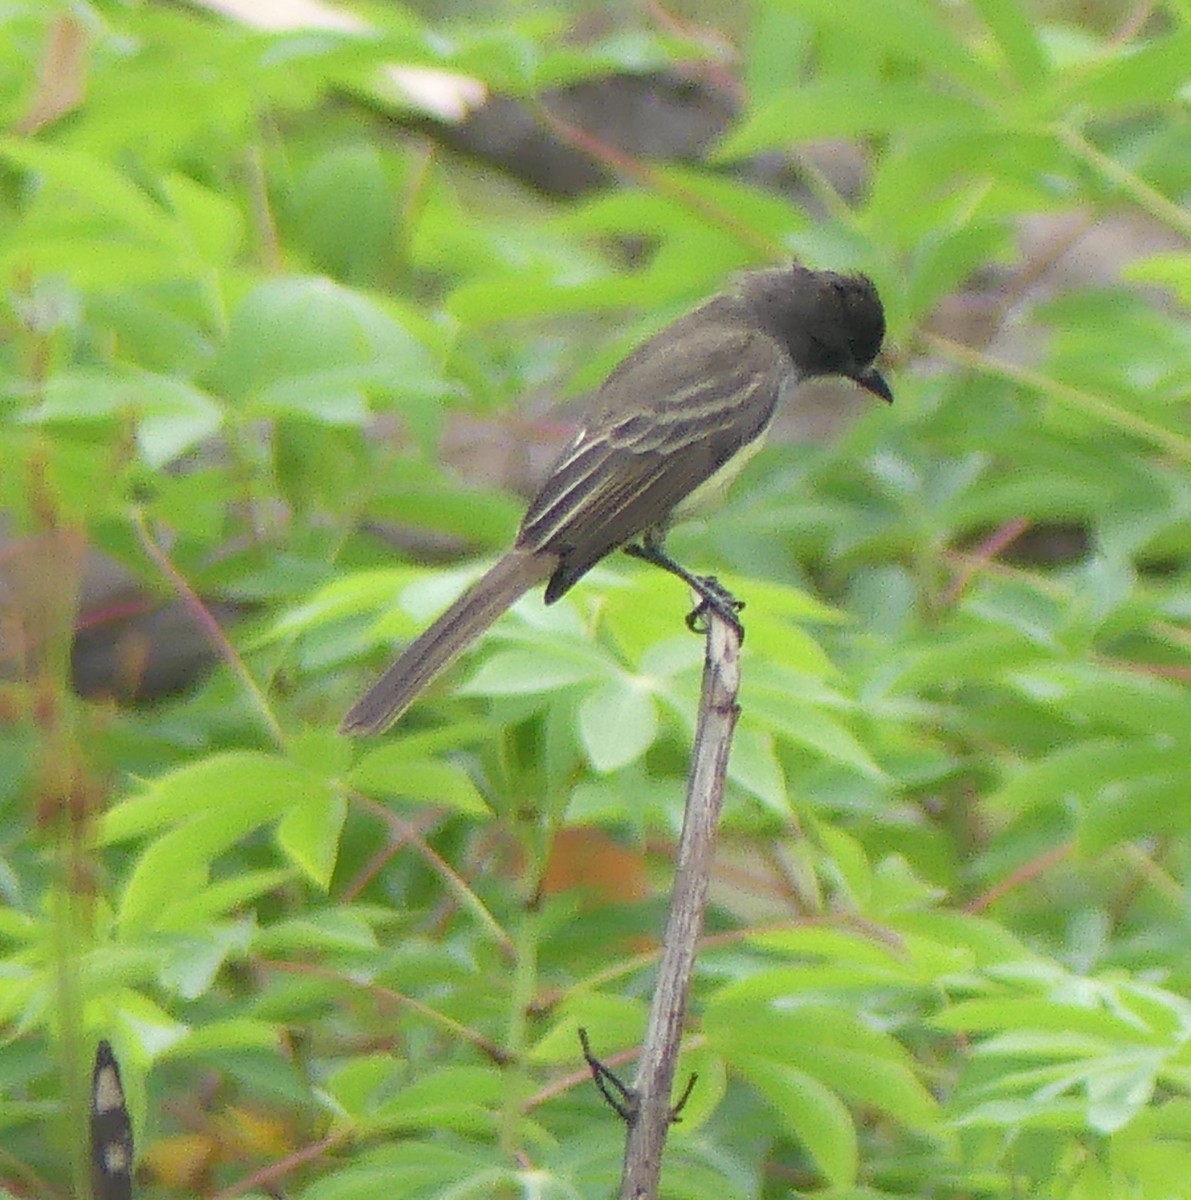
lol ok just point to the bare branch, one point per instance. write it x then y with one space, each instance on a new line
650 1111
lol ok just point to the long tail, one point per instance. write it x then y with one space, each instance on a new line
452 633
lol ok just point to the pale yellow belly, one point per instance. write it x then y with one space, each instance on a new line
710 492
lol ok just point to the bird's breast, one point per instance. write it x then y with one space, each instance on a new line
711 491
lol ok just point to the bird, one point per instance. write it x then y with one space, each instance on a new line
668 429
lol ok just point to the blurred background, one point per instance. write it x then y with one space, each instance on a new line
297 302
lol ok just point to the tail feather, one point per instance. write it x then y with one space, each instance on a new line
433 650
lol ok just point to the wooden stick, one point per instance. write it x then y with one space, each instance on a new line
650 1112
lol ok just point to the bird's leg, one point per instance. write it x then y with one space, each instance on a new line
714 597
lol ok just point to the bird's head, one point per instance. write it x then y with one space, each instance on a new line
831 324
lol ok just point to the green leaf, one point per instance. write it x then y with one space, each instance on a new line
617 724
910 29
1044 1015
236 782
311 347
1129 78
806 725
945 261
1124 809
875 1082
461 1099
107 191
192 963
621 1021
220 899
171 416
847 860
401 771
343 201
210 806
309 835
987 942
754 766
341 931
212 222
821 942
530 672
358 592
780 43
852 108
812 1113
1016 33
1171 269
1124 701
355 1085
1094 771
846 1055
412 1169
1116 1097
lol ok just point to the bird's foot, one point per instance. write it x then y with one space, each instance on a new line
715 598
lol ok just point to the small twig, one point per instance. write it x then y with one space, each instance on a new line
1132 185
406 833
680 1103
266 1176
624 1102
206 622
381 994
983 554
713 68
1133 23
1027 871
662 182
651 1111
1119 418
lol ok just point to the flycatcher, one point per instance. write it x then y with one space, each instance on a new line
671 424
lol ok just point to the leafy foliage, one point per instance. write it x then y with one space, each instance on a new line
253 313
